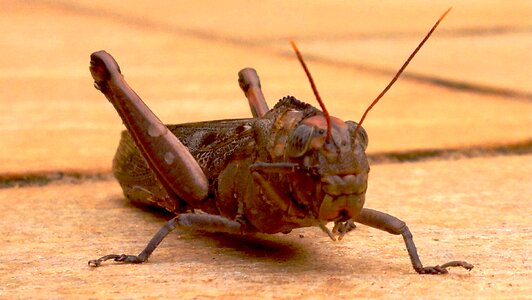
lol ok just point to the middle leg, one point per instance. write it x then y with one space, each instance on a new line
250 84
203 222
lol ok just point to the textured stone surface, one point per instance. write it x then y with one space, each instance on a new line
471 89
175 57
470 209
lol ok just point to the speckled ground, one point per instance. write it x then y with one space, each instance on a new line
469 88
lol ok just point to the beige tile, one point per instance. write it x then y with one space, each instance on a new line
271 20
466 209
500 62
53 119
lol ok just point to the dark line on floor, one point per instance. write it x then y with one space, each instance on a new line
145 24
400 35
451 84
45 178
521 148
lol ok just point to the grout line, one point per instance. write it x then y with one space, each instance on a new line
145 23
399 35
419 77
45 178
520 148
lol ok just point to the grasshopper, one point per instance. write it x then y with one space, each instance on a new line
289 167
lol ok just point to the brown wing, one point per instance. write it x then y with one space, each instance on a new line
212 143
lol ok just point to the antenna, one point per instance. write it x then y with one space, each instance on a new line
400 71
315 90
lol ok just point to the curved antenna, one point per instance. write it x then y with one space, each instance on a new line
315 90
400 70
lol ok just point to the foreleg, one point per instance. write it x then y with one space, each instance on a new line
393 225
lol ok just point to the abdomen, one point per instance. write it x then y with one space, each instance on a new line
138 181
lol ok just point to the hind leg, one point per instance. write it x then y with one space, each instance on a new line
170 160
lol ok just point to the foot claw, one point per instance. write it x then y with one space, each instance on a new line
132 259
458 263
433 270
95 263
443 268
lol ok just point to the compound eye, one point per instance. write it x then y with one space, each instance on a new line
299 140
362 134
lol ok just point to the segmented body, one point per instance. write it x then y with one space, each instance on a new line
224 149
211 143
289 167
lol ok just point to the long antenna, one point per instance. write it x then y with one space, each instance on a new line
400 70
315 90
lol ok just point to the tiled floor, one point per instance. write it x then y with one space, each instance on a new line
469 87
